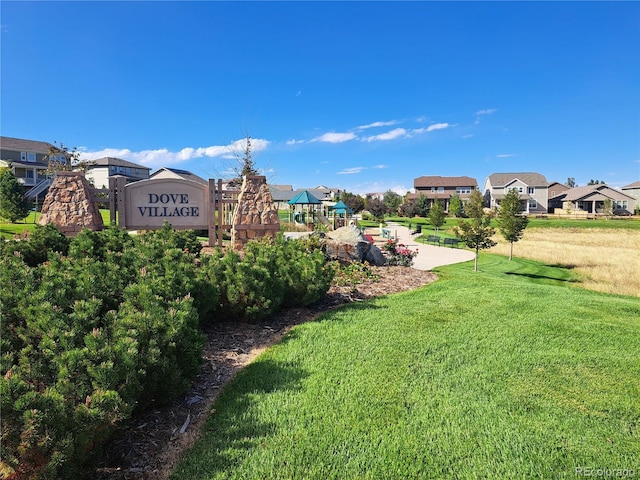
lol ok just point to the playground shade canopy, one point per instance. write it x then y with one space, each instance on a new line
341 208
304 198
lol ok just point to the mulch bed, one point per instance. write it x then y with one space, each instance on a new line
151 444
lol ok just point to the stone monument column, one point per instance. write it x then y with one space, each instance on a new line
256 215
69 205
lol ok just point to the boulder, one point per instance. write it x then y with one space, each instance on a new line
347 244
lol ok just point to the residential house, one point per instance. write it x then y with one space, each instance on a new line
28 160
633 190
532 187
443 188
166 172
281 194
99 171
590 199
555 190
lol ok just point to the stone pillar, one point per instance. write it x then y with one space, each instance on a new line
69 205
256 215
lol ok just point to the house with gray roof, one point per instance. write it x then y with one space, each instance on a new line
166 172
633 190
532 187
100 170
590 199
28 159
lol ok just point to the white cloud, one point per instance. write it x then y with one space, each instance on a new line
487 111
333 137
294 142
437 126
381 166
377 187
378 124
164 157
505 155
431 128
395 133
351 171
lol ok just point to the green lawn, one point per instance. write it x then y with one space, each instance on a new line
507 373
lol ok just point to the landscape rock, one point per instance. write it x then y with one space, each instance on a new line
347 244
69 205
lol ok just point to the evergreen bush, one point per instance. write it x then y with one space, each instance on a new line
106 324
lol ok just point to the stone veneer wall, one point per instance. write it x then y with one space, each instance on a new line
256 215
69 205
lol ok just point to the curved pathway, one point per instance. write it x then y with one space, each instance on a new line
429 256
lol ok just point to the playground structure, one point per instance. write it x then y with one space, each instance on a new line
307 210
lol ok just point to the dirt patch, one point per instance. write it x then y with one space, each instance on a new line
151 444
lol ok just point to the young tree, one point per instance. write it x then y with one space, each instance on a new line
422 205
607 208
455 206
476 232
510 221
571 182
392 201
13 205
437 216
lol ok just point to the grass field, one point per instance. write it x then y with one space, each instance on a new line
507 373
606 260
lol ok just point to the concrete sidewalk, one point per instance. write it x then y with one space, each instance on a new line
429 256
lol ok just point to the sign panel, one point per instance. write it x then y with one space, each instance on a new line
181 203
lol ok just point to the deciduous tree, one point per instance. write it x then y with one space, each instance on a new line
375 208
455 206
476 232
353 201
511 222
392 202
437 215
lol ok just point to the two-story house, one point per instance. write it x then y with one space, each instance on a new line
98 171
28 161
443 188
532 187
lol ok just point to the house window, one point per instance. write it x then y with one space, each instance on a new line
128 170
23 156
533 203
440 189
621 204
31 157
517 189
137 170
120 169
433 189
531 190
463 189
113 169
29 173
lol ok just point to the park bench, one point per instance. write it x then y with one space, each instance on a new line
451 242
433 239
417 230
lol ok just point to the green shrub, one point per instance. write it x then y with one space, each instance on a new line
103 325
36 247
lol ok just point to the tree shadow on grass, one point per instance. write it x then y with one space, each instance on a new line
546 279
237 425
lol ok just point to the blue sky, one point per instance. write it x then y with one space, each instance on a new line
364 96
